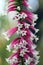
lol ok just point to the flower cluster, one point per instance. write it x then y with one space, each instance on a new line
22 46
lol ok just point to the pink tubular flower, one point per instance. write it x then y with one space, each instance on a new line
23 46
24 3
13 59
9 33
30 16
11 0
11 45
11 6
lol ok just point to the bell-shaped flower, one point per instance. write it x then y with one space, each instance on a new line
9 33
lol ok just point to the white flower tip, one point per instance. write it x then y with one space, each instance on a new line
37 57
7 60
35 17
8 48
36 62
36 39
19 26
33 24
18 8
27 25
13 51
36 52
30 7
6 37
36 30
28 60
31 38
23 15
34 46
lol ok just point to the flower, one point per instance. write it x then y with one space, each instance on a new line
6 37
28 61
9 33
33 24
19 26
33 46
23 32
27 25
36 38
13 58
22 46
18 31
8 48
18 8
36 30
35 17
23 15
23 52
35 52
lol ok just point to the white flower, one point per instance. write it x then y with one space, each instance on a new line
28 60
37 57
18 8
8 48
36 30
18 31
18 16
36 39
34 46
35 17
35 53
31 38
6 36
12 16
23 32
27 25
33 24
19 25
14 51
36 62
21 54
24 43
23 51
29 7
14 59
20 45
16 46
8 60
23 15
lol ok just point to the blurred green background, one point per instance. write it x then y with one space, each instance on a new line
5 25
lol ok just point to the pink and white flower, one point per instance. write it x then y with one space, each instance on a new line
9 33
22 46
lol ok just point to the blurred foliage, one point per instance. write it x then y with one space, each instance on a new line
5 25
41 4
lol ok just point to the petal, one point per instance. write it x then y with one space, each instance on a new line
9 33
12 44
25 3
15 41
